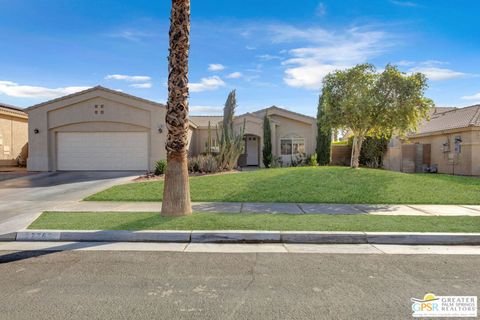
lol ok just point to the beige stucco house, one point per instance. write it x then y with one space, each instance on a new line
292 134
13 135
449 141
103 129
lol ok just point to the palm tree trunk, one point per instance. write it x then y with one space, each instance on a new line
176 193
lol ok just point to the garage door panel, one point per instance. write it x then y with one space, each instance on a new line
102 151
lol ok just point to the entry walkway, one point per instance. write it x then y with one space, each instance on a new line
290 208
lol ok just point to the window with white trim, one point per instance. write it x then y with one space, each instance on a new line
292 146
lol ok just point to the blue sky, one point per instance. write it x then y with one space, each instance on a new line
274 52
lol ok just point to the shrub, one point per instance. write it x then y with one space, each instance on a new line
311 160
160 167
373 150
203 164
267 142
193 164
277 162
298 161
324 136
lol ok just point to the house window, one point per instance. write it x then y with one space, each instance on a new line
292 146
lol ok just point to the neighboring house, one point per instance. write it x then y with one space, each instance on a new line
13 135
293 134
103 129
449 141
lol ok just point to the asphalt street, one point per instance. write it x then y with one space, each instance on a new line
179 285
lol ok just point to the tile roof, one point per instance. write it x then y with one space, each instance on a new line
452 118
282 109
11 110
202 121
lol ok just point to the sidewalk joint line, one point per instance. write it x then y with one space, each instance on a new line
375 246
421 210
300 207
464 206
356 206
284 245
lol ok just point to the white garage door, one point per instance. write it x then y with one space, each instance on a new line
102 151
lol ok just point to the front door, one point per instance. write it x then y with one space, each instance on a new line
252 150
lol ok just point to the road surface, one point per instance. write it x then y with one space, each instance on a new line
180 285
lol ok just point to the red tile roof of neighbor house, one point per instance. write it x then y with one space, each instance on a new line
450 118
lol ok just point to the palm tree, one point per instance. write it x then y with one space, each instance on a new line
176 193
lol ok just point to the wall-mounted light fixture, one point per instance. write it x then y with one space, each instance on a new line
160 129
36 131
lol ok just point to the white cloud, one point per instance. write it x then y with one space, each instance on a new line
206 109
435 73
269 57
309 75
145 85
250 48
13 89
432 70
207 84
321 9
404 63
404 3
473 97
131 35
216 67
284 33
326 52
234 75
127 78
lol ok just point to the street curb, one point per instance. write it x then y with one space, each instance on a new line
8 236
248 236
323 237
104 235
419 238
242 236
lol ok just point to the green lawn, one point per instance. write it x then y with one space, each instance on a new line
235 221
314 184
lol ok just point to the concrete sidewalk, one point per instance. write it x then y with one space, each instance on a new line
290 208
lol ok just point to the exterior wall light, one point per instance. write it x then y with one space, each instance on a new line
160 129
36 131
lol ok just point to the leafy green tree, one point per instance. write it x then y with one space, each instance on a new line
267 142
324 136
374 104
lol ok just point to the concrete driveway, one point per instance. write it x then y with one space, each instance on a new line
22 199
